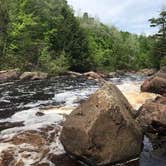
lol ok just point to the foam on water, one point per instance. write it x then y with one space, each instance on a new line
31 121
71 98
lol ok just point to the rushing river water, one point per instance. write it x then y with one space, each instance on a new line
22 101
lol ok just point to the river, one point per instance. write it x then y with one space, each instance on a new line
38 109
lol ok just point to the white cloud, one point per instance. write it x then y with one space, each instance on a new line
130 15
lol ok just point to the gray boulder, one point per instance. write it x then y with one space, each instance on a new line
102 130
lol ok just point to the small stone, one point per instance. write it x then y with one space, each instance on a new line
40 114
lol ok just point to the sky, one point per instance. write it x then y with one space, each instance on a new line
126 15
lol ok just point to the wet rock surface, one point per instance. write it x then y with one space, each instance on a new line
153 112
8 75
7 125
152 118
31 147
96 130
73 74
94 76
156 84
33 76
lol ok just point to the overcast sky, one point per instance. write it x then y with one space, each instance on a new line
126 15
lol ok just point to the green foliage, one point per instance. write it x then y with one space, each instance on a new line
70 38
163 61
112 49
160 45
45 35
29 27
53 66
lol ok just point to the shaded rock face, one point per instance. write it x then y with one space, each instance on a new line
156 84
152 116
33 76
101 130
8 75
63 160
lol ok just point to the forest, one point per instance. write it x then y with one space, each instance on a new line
45 35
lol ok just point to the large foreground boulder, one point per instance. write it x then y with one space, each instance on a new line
156 84
102 130
9 75
33 76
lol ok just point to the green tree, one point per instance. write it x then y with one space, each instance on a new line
70 38
4 24
160 47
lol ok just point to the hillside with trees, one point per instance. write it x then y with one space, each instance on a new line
113 49
46 35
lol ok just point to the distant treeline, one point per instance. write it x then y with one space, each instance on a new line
45 35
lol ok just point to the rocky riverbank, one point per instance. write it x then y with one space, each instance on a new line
34 137
16 74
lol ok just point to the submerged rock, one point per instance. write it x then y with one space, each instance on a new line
63 160
9 75
7 125
39 113
33 76
102 130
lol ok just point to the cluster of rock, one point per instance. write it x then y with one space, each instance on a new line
144 72
91 75
106 130
152 115
103 130
15 74
147 72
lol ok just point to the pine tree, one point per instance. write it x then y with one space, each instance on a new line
160 47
